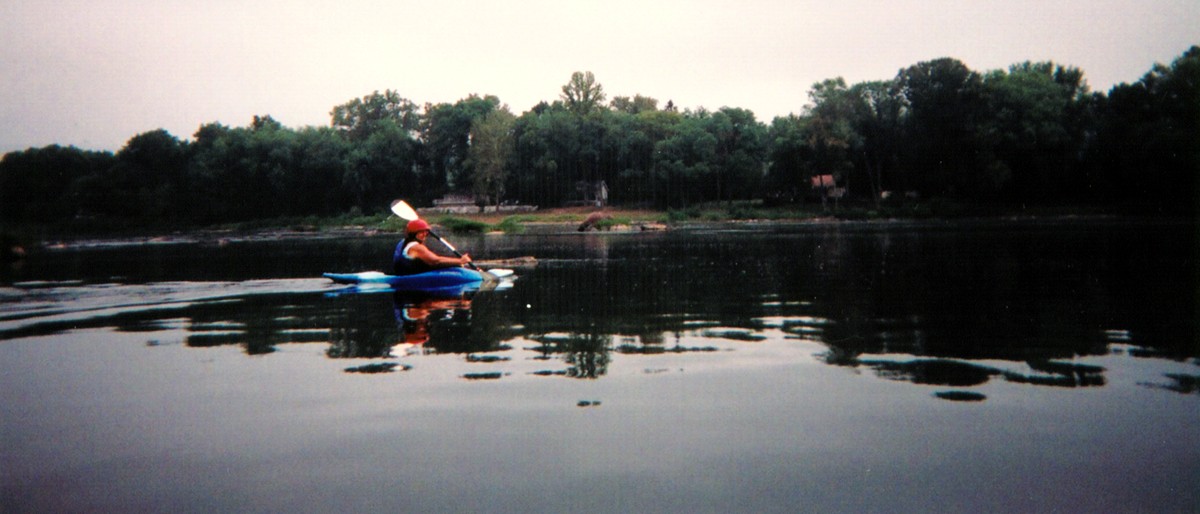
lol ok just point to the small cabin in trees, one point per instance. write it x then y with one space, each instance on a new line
826 187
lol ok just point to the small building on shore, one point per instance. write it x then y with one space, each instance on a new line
467 204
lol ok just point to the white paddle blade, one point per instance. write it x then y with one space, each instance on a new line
405 211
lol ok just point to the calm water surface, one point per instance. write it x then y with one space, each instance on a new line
985 366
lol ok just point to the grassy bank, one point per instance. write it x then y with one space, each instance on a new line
745 211
613 217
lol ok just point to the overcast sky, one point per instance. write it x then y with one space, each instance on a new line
93 73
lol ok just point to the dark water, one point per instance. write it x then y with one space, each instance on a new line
986 366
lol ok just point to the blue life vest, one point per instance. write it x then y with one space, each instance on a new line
404 264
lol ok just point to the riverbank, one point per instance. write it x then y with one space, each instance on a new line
19 239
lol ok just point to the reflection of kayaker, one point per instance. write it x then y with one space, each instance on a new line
415 316
412 256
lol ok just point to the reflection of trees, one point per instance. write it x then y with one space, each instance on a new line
924 306
1179 383
960 374
360 328
258 323
587 355
355 342
1034 296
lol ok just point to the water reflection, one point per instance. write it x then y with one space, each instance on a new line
961 374
586 355
1183 384
498 329
953 308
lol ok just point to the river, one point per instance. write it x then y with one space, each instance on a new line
995 365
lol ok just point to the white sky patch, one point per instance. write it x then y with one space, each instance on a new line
95 73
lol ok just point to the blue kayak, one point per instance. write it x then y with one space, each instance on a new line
433 280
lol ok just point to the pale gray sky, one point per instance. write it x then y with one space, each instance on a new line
93 73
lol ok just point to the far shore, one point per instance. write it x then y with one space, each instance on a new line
19 240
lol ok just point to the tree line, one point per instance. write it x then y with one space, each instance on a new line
1033 134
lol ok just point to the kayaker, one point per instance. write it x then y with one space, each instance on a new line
412 256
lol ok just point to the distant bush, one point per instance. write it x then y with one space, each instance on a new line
511 225
608 223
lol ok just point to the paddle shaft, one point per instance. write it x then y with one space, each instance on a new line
453 249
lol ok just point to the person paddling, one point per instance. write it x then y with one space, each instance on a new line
412 256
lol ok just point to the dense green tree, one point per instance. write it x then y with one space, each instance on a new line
830 132
877 118
789 159
35 184
360 117
740 148
947 154
844 131
217 174
242 173
396 161
685 161
446 131
1149 138
1035 118
635 105
148 180
491 146
315 183
634 138
821 141
546 154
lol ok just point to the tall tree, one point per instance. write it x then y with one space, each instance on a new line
741 141
583 95
877 120
359 117
947 153
830 130
384 166
314 185
1149 141
546 155
633 139
148 179
446 130
685 161
789 158
1034 123
491 147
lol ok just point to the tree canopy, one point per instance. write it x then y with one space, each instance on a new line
1030 134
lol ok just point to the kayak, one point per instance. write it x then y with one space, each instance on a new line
431 281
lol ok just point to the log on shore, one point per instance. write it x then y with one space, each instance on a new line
524 262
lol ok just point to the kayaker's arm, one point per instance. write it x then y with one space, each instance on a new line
424 254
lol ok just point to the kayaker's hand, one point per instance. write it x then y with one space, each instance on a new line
465 259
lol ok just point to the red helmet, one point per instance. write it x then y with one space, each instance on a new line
415 226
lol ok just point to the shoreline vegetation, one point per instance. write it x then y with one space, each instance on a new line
938 140
19 239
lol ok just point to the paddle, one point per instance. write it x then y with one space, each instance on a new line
406 212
